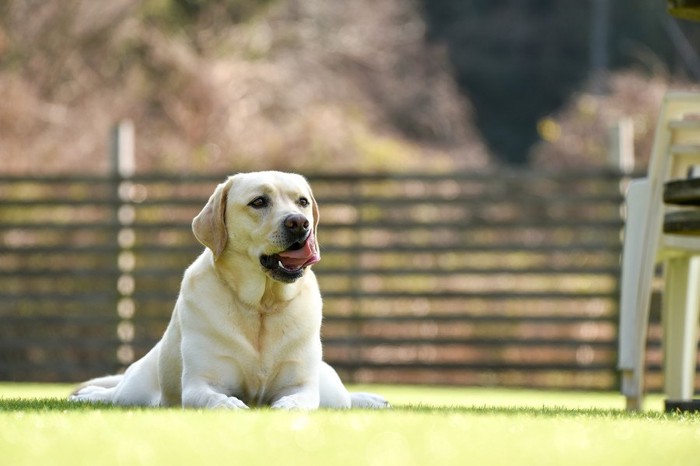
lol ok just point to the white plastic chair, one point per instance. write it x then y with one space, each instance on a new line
675 151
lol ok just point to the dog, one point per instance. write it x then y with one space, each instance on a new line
245 330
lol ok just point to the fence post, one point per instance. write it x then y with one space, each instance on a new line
621 153
123 167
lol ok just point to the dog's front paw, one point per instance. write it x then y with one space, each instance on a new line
92 394
286 402
294 402
229 402
368 401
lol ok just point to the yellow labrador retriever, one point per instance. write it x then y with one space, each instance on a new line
246 326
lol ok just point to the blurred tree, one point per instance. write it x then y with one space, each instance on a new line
519 60
202 21
186 14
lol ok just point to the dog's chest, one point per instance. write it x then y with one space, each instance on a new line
261 359
261 333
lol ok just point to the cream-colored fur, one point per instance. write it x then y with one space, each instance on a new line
241 334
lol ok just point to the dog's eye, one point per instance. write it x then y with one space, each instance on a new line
259 202
304 202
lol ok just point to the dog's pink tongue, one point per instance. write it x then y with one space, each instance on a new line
303 257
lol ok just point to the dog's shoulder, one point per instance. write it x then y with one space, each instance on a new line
201 279
202 267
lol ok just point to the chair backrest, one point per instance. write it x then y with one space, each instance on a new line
672 156
678 126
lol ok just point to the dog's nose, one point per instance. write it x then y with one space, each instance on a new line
296 223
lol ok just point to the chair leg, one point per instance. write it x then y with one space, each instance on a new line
681 304
634 307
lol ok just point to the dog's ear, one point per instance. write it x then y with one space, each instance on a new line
209 226
317 217
314 208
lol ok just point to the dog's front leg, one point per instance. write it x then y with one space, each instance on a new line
202 395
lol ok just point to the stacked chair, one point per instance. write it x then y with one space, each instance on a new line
663 227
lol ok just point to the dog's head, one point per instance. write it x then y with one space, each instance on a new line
269 217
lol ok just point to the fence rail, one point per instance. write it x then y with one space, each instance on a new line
505 277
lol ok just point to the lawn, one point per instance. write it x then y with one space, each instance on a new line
427 426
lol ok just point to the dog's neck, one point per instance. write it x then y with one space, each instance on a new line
251 285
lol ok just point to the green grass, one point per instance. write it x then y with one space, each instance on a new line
427 426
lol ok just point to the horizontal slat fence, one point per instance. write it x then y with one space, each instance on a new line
506 277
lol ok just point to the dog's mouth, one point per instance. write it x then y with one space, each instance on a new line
289 265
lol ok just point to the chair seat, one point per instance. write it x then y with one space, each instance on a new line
683 222
683 192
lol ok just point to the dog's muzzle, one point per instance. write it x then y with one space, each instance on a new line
289 265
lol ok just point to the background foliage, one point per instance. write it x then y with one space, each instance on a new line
403 85
521 60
